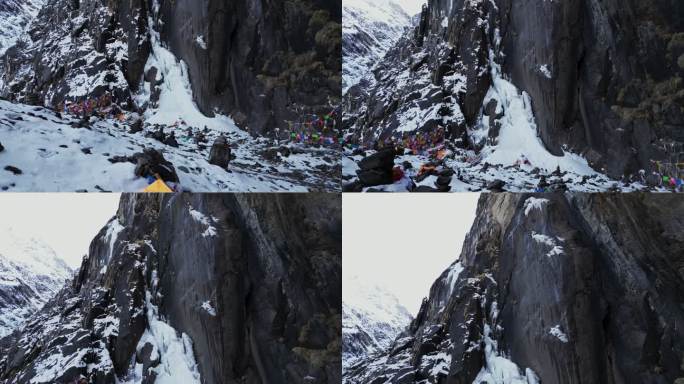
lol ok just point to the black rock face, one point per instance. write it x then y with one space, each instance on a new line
376 169
265 63
616 82
604 78
262 64
570 288
251 284
79 50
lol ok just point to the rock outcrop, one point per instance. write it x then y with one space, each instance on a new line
220 152
555 288
614 86
376 169
201 288
262 64
604 79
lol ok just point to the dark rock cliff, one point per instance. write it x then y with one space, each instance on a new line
263 63
616 88
78 50
555 288
604 77
232 288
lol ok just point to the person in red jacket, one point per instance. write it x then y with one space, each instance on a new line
397 173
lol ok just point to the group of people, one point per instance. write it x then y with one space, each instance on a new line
313 130
312 138
102 106
666 175
314 121
673 182
420 143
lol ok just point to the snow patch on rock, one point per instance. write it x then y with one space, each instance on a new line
519 134
206 306
201 218
498 368
554 248
558 333
544 69
177 361
533 203
114 228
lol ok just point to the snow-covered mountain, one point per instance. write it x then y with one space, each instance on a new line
113 74
505 93
369 30
372 317
48 153
31 273
15 16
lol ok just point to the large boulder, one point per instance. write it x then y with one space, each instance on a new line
151 162
373 177
220 153
376 169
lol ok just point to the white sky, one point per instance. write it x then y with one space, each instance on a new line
412 7
67 222
403 242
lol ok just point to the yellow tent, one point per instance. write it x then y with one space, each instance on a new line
158 187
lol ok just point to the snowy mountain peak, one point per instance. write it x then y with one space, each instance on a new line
15 16
372 317
31 273
31 253
382 11
370 28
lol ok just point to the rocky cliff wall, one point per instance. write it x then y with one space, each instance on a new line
263 63
214 288
604 78
553 289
